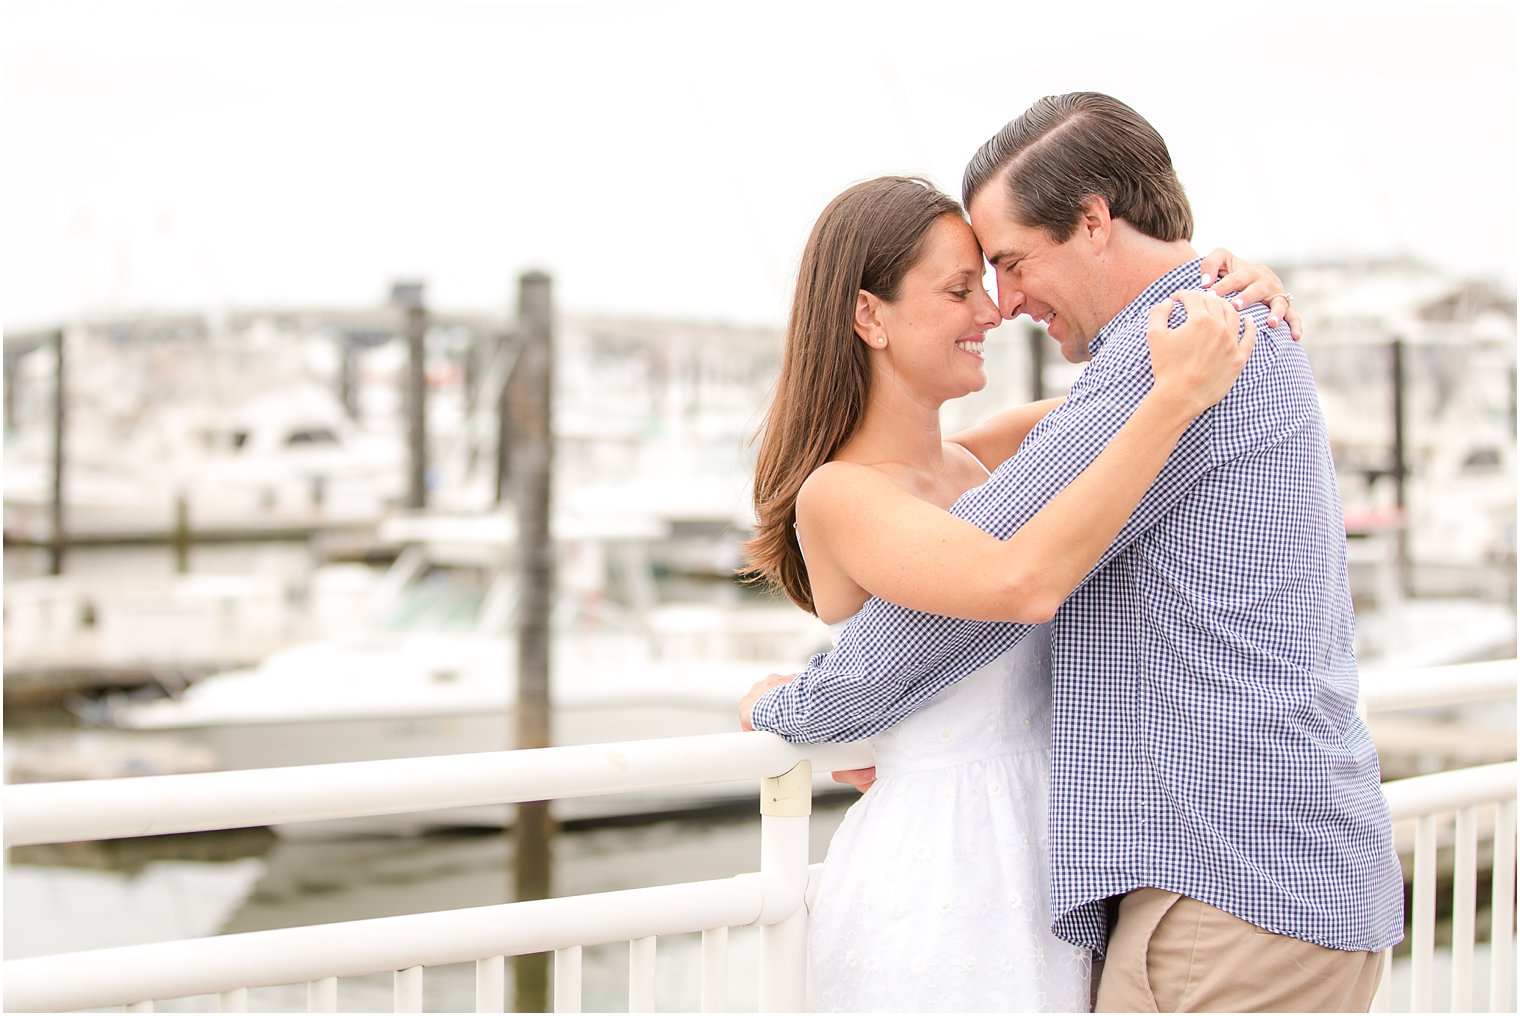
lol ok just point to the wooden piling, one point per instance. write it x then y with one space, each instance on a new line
533 459
56 535
1400 467
408 297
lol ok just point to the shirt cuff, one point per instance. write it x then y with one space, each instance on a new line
769 712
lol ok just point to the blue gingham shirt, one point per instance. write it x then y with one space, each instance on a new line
1206 739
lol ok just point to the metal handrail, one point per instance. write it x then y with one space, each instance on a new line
157 805
209 966
1423 687
199 802
1451 791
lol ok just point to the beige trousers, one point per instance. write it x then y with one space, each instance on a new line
1171 953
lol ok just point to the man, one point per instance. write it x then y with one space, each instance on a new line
1217 826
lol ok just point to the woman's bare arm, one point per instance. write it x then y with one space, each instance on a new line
995 439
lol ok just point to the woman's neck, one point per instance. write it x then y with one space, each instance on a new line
898 429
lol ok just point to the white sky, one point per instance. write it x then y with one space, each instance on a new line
669 158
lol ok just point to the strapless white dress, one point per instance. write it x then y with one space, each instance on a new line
935 892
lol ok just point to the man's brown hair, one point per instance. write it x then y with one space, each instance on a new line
1068 148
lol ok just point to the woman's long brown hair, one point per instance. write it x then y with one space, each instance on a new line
866 239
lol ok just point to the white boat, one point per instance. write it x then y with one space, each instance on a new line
433 672
289 457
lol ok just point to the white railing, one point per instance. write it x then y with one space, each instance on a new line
1459 811
226 966
1481 800
1426 687
1467 798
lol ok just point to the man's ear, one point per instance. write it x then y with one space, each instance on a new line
1094 222
869 326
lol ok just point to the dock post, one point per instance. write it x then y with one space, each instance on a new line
1400 464
408 297
533 459
56 536
13 380
181 537
786 802
502 401
348 367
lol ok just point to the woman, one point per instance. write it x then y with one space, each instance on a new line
934 892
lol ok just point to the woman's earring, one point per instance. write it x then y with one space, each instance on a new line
879 341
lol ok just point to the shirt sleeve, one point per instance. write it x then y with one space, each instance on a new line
892 660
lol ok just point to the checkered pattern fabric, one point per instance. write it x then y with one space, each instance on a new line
1206 739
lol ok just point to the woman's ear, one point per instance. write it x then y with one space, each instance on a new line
868 321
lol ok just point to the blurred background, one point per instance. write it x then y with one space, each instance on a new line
271 271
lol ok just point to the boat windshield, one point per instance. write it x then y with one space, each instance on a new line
442 598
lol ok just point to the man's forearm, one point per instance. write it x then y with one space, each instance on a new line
891 660
869 683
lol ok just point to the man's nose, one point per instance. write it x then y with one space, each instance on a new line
1010 298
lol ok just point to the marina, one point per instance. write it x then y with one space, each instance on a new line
381 386
296 627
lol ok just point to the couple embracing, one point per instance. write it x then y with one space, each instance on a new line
1102 645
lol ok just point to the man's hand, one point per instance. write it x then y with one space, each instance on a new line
860 779
747 703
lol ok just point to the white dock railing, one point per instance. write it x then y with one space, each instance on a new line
1481 802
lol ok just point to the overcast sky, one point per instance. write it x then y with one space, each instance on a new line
669 158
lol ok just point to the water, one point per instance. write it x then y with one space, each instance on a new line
68 897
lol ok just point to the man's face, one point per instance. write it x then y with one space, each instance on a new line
1052 282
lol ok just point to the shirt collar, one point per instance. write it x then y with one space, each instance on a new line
1184 276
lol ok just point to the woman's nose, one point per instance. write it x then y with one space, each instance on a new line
987 313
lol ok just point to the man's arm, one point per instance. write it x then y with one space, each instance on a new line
891 660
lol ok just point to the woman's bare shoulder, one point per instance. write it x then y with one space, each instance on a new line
837 486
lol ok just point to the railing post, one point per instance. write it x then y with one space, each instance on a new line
1464 907
1502 935
491 984
641 959
786 801
715 970
407 990
1422 945
322 995
567 979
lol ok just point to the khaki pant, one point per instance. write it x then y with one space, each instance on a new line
1171 953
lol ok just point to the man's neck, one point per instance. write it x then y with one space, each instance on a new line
1132 261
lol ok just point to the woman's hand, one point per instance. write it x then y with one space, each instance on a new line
860 779
1225 274
1196 363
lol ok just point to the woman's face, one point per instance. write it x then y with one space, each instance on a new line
935 327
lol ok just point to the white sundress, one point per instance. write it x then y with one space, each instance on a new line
935 893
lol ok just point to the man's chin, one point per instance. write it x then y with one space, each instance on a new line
1075 353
